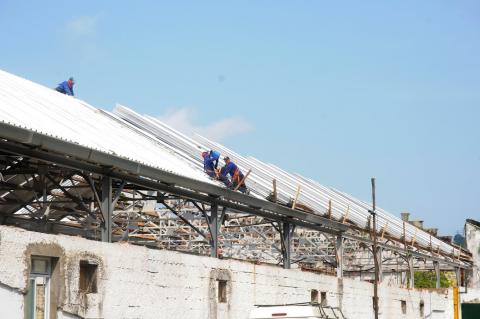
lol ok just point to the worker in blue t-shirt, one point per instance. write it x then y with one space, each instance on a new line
208 164
215 155
66 87
235 173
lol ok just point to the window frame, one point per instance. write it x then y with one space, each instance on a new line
33 278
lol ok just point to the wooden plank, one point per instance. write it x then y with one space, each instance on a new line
330 209
274 182
243 180
414 237
297 193
346 214
384 229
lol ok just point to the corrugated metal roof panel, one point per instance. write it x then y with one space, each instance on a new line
40 109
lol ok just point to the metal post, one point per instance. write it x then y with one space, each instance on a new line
374 218
411 271
458 274
339 255
436 266
214 229
287 240
379 261
465 279
107 209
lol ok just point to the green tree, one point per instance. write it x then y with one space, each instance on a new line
427 279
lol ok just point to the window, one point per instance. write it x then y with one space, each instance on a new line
422 309
314 295
323 298
88 277
38 296
40 265
404 307
222 291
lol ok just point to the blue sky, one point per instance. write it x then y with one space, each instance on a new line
339 92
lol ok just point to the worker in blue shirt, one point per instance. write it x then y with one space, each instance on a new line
235 173
208 164
215 155
66 87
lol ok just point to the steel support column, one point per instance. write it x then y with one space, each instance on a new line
213 220
436 267
287 243
339 256
411 272
107 209
458 275
380 266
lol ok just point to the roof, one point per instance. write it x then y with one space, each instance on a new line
125 134
40 109
473 222
313 195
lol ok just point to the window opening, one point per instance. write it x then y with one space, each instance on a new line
88 277
222 291
323 298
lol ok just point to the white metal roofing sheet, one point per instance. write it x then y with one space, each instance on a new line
147 140
313 194
41 109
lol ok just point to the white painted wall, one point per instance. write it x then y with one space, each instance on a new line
136 282
472 237
472 295
11 303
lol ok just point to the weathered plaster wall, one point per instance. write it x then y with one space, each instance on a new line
136 282
472 237
11 302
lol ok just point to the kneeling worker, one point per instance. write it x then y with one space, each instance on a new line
236 175
66 87
215 155
209 164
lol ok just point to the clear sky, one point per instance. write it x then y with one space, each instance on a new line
336 91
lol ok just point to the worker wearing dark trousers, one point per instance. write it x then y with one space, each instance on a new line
209 164
235 173
215 155
66 87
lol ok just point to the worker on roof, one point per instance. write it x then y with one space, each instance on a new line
215 155
66 87
209 164
235 173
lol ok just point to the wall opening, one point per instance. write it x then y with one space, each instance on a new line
222 291
404 306
422 309
314 295
323 299
88 277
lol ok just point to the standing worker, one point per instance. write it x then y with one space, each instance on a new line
235 173
66 87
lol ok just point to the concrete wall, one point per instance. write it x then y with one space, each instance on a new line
136 282
472 238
